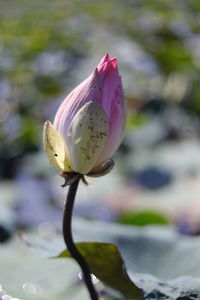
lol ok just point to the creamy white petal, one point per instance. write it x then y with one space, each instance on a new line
55 148
89 131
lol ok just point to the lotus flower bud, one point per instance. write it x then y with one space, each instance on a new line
89 124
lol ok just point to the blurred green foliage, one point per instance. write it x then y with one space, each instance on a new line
48 47
143 218
136 120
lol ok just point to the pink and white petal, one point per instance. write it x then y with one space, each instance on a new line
110 81
88 90
88 131
116 127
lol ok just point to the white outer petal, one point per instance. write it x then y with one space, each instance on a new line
89 131
55 148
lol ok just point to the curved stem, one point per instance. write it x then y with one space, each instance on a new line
67 234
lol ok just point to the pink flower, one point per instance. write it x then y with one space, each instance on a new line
91 119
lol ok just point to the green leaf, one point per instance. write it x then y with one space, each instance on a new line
106 264
162 262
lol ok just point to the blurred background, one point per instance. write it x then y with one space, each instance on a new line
46 49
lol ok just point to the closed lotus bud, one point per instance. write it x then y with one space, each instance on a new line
89 124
